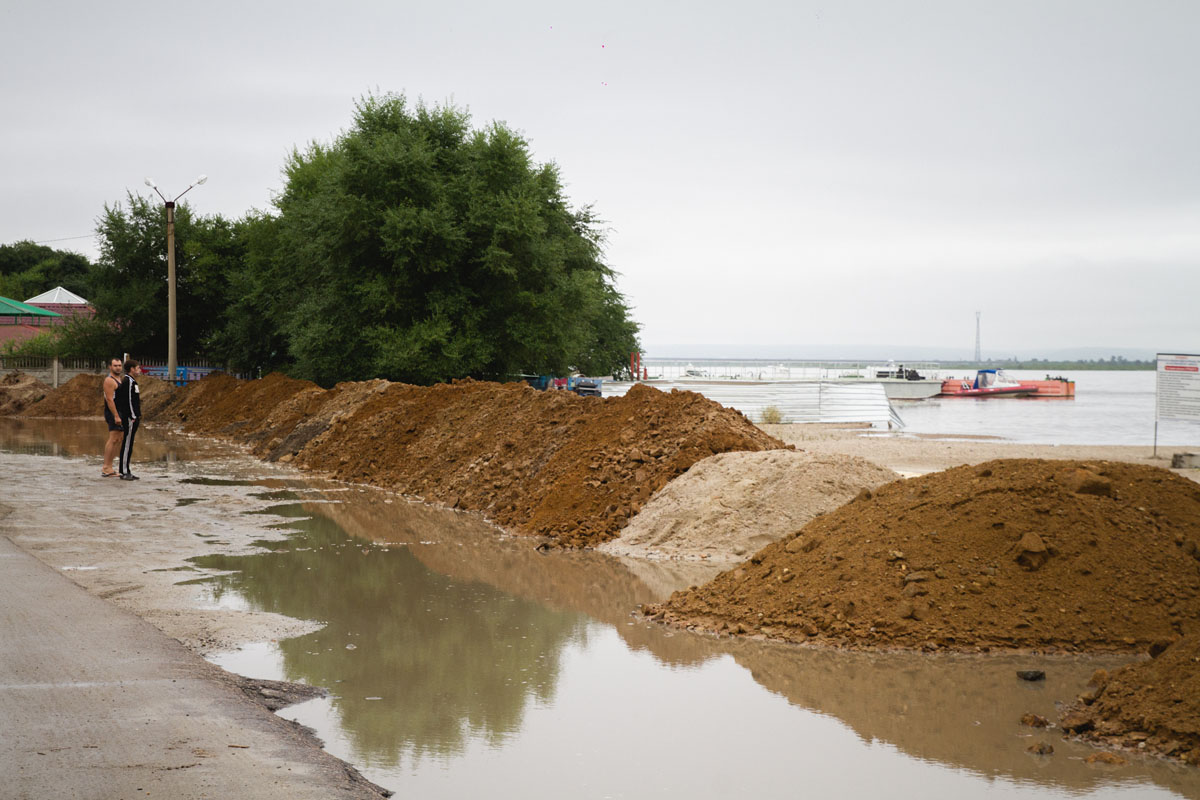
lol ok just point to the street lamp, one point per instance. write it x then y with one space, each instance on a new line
172 359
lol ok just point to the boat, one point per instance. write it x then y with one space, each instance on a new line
1053 387
988 383
905 384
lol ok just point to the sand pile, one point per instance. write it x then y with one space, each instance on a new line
18 390
1024 553
548 463
732 504
1152 705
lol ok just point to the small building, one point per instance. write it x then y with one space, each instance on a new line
20 321
63 302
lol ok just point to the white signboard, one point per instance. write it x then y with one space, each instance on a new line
1178 387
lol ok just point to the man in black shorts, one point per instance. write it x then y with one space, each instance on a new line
111 381
128 400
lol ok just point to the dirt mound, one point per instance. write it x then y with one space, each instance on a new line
732 504
1055 555
18 390
155 394
81 397
78 397
1152 705
226 405
549 463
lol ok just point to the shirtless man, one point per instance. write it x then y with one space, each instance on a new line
115 430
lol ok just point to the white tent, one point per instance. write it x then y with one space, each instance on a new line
57 296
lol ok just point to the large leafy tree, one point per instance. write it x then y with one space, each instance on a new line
129 282
28 269
416 248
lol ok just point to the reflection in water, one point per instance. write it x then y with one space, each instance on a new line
86 437
448 618
420 662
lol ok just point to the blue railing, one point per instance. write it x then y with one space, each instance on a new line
183 373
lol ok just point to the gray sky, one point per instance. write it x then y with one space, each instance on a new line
783 175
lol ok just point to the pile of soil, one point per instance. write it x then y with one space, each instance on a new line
81 397
571 468
18 390
1153 705
732 504
78 397
1023 553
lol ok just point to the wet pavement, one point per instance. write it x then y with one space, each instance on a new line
463 662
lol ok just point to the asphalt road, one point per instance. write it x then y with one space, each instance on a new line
96 703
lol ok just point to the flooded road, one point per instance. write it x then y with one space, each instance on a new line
465 663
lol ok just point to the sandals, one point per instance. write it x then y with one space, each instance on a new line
104 474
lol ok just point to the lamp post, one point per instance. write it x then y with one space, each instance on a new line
172 358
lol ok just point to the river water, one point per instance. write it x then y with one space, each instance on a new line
463 663
1110 407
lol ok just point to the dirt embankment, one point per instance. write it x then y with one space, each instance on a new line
82 397
733 504
18 391
1053 555
547 463
1153 705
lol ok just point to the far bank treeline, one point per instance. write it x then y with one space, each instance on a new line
413 247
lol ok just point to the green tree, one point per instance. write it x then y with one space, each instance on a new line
28 269
417 249
130 279
250 339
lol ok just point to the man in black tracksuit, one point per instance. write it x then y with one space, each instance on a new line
128 400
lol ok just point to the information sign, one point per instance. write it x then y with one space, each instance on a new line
1177 392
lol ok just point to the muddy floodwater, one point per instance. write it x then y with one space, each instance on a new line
465 663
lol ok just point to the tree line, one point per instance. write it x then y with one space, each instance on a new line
1111 363
412 247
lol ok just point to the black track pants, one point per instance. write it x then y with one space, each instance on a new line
130 427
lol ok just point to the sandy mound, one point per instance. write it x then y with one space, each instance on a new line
549 463
1155 702
1021 553
736 503
18 390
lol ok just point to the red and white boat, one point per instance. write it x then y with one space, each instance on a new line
988 383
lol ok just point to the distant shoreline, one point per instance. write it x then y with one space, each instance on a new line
1118 365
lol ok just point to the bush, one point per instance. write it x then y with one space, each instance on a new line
771 415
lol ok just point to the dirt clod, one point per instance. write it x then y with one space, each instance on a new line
1152 705
19 390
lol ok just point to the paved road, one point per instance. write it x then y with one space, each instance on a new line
96 703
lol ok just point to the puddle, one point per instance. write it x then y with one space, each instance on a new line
187 501
72 438
466 664
207 481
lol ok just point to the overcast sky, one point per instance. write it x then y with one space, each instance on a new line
775 175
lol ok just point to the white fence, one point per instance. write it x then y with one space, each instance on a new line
797 401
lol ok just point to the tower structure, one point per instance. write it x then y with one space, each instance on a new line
978 350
